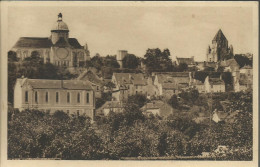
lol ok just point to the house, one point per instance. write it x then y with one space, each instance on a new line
243 83
71 96
214 85
111 106
97 83
157 107
189 61
220 116
230 65
169 83
197 84
127 84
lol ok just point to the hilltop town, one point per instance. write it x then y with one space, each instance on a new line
191 108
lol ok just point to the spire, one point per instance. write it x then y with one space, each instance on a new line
60 17
219 36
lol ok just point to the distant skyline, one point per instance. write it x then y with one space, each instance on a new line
185 31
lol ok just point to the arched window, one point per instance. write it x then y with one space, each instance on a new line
78 99
46 97
26 96
87 98
57 97
36 97
68 97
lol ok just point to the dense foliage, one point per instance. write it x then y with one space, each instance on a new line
33 67
35 134
130 61
157 60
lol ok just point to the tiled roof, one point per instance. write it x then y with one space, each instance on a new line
74 43
219 36
216 81
88 75
188 61
130 78
169 86
35 42
57 84
138 79
31 42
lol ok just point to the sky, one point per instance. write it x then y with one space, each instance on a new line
185 31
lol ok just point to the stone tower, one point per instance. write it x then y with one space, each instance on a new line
59 30
219 49
120 56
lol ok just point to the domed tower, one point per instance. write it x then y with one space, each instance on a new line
60 29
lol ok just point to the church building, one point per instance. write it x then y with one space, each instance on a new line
57 49
219 49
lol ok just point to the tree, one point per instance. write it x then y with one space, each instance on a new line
182 67
12 56
110 61
130 61
138 99
156 60
242 60
97 61
173 101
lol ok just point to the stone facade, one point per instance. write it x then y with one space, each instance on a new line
57 49
70 96
219 49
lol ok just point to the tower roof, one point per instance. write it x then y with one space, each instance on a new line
60 25
219 36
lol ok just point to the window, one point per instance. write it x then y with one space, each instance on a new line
97 88
135 92
210 59
57 97
87 98
77 112
68 97
26 96
36 97
46 97
78 99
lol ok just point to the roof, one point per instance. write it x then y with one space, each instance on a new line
219 36
36 42
247 67
88 75
62 43
173 74
56 84
60 25
229 62
165 109
197 82
138 79
112 104
216 81
188 61
33 42
130 78
74 43
169 86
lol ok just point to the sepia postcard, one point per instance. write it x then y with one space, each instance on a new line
129 83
